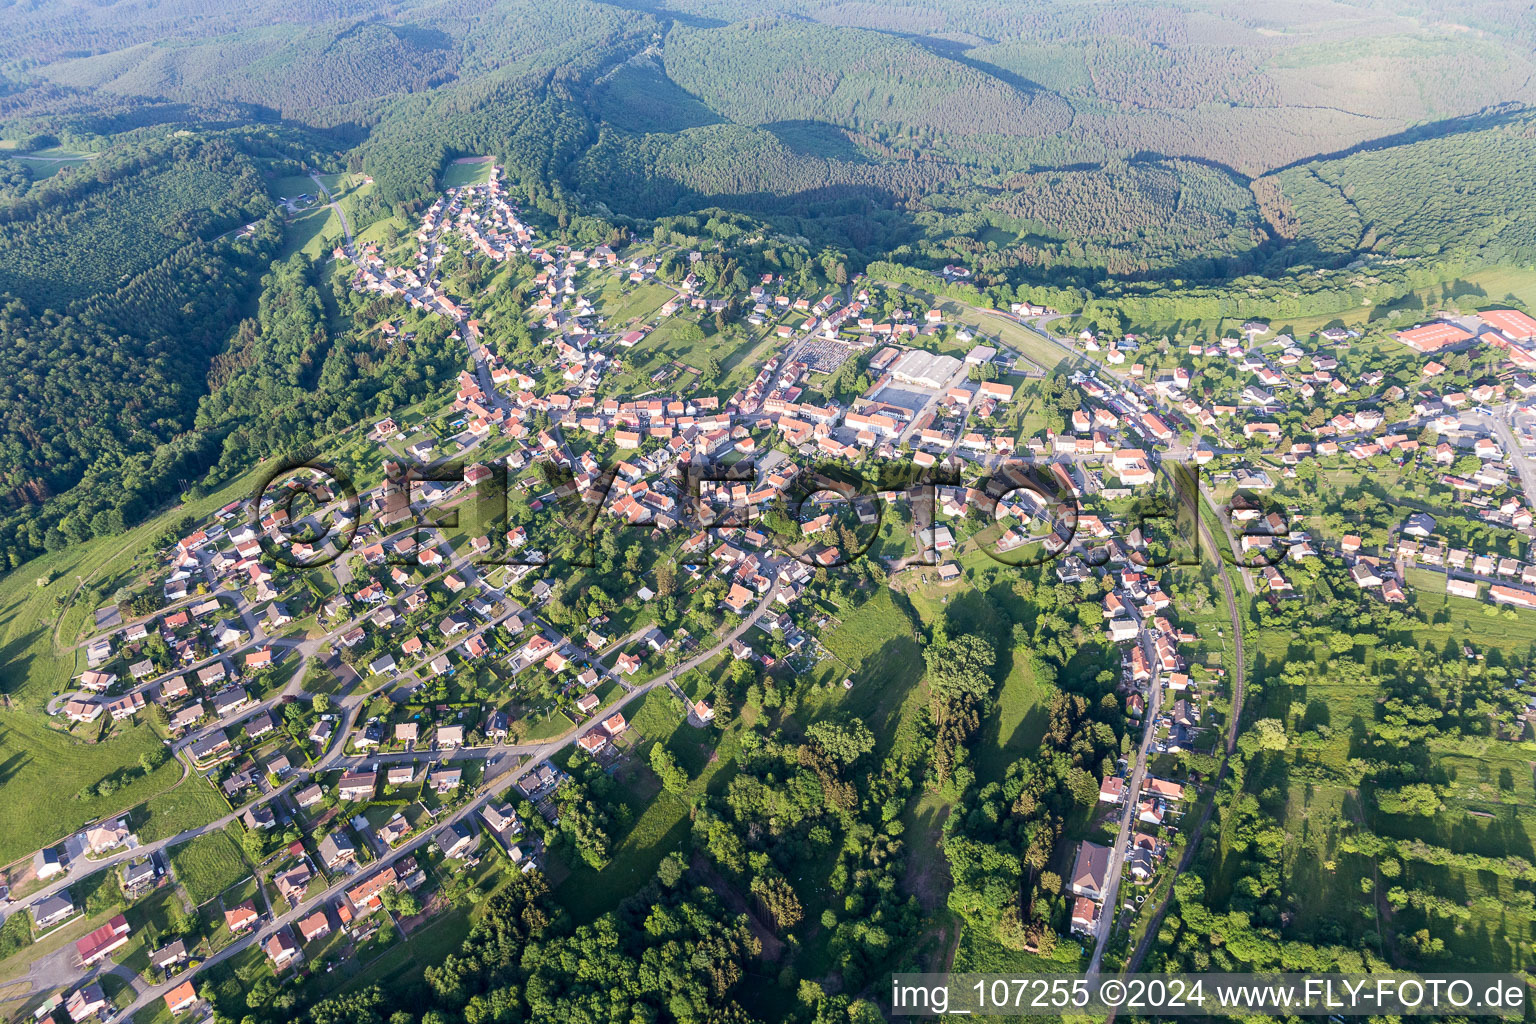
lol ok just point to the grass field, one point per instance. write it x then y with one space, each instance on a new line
620 308
315 230
42 771
1018 721
1462 619
660 818
45 163
193 803
467 171
875 647
1042 352
1478 290
661 826
208 865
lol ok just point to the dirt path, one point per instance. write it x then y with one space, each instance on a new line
80 582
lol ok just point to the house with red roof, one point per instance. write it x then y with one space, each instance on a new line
103 941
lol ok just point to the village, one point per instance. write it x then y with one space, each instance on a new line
370 732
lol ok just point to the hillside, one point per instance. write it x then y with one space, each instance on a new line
84 233
271 67
1462 194
761 73
1055 150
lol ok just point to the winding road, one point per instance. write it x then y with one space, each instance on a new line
346 229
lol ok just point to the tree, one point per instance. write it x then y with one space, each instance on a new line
780 899
1417 798
672 775
401 901
666 579
844 743
354 1008
671 870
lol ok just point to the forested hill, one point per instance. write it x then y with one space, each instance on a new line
671 106
80 235
766 72
294 73
121 282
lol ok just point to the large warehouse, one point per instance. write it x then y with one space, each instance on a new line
925 369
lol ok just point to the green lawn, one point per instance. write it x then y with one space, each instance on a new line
460 173
43 771
1462 619
660 818
45 163
194 802
643 301
402 964
1481 289
208 865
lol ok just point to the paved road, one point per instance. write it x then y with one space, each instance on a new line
1499 422
1041 327
1238 676
1117 853
346 229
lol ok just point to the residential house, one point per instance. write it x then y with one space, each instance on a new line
243 917
103 941
335 850
282 949
357 785
293 883
172 954
456 841
1090 871
108 835
138 876
365 896
85 1002
315 926
1085 916
181 997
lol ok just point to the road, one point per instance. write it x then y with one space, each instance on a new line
1106 925
346 229
1499 423
1238 676
1105 928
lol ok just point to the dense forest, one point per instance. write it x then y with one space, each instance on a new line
272 67
763 72
1074 145
70 239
